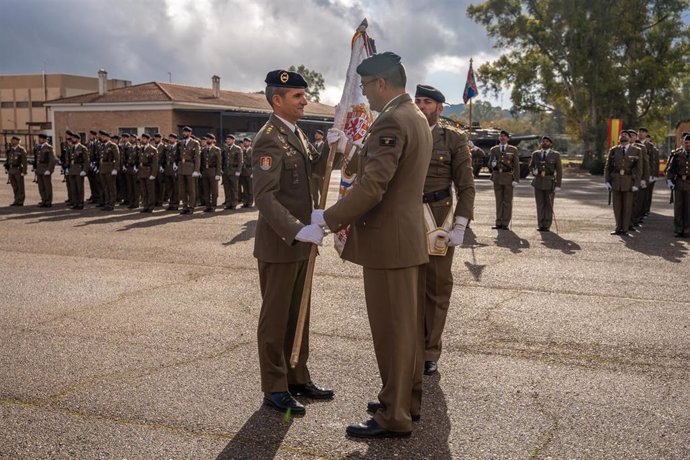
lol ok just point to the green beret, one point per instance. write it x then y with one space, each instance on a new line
430 92
285 79
146 135
379 64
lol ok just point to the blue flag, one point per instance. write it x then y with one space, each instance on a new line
470 86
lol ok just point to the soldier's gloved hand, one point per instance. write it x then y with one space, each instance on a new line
196 174
113 172
82 174
652 179
338 137
237 174
558 187
643 184
317 218
456 236
95 170
66 171
23 174
136 170
494 163
160 169
608 186
217 178
47 173
635 189
152 177
174 167
535 171
514 184
311 233
670 184
124 169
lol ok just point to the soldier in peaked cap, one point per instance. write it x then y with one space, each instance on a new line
232 167
16 164
188 169
45 166
92 174
147 172
547 170
211 163
678 180
640 196
245 180
387 237
622 173
284 234
108 167
159 143
318 166
451 164
78 161
504 165
169 162
653 157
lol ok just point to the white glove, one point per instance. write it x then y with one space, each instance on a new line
160 169
114 172
124 169
558 187
338 137
174 167
66 171
82 174
514 184
643 184
494 163
152 178
47 173
652 179
217 178
23 174
317 218
95 170
456 236
136 170
196 174
635 189
535 171
311 234
608 186
671 185
237 174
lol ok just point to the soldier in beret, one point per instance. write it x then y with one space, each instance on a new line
622 173
232 166
653 156
451 164
640 197
387 237
246 194
159 143
284 235
92 173
44 158
318 166
78 161
678 179
16 164
504 165
147 172
189 165
65 148
210 172
170 182
547 170
108 168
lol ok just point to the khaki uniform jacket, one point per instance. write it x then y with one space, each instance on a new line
384 206
190 157
507 168
232 159
319 161
679 170
148 162
78 159
211 161
623 170
17 160
645 160
549 172
653 153
108 157
45 159
280 164
168 159
247 161
451 163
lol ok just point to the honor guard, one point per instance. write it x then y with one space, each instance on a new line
622 172
189 165
108 167
92 173
210 172
388 239
640 197
284 234
65 148
451 165
159 143
45 166
78 161
232 167
504 165
148 170
318 166
653 155
678 180
478 156
171 188
16 164
130 153
547 170
246 194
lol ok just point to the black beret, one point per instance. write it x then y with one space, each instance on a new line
42 136
686 137
230 136
93 131
157 135
146 135
318 131
631 131
210 136
75 135
116 137
69 132
104 133
172 135
125 134
187 128
430 92
503 131
642 128
379 63
285 79
246 139
16 138
547 137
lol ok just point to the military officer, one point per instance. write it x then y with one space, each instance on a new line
189 165
653 154
169 164
108 168
318 166
121 178
45 166
130 152
387 237
146 174
211 163
284 234
232 166
92 173
159 143
246 194
547 169
679 183
640 197
78 161
65 148
16 164
477 158
623 172
451 164
504 165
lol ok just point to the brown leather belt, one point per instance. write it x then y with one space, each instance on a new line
438 195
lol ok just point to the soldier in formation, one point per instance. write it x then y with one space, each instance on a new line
545 165
504 165
232 167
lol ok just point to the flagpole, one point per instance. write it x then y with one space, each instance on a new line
469 137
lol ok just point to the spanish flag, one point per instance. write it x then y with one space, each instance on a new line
615 128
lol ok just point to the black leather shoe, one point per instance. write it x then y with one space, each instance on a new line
209 210
430 367
284 402
311 390
184 211
373 406
497 227
371 429
171 208
616 232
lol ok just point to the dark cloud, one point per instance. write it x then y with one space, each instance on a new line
143 40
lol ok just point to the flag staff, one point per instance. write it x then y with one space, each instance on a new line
469 130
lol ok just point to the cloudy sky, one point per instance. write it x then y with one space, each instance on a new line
143 40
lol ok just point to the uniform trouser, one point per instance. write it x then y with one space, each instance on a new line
544 199
94 186
396 317
45 188
639 200
17 182
650 194
159 189
681 211
230 186
439 287
121 186
246 195
76 186
70 198
281 292
210 190
187 186
109 187
148 192
201 193
504 203
316 187
133 192
171 190
622 209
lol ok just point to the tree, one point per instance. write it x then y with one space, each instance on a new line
314 79
589 60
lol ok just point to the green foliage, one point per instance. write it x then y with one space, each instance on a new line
596 168
314 79
589 60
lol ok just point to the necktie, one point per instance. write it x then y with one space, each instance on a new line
543 155
503 149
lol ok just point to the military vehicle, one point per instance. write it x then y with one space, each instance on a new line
485 138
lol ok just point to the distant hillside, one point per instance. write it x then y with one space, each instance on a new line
481 111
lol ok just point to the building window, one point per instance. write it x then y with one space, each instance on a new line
151 131
36 103
7 105
22 105
128 131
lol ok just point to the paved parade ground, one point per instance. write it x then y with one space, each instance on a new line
133 336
